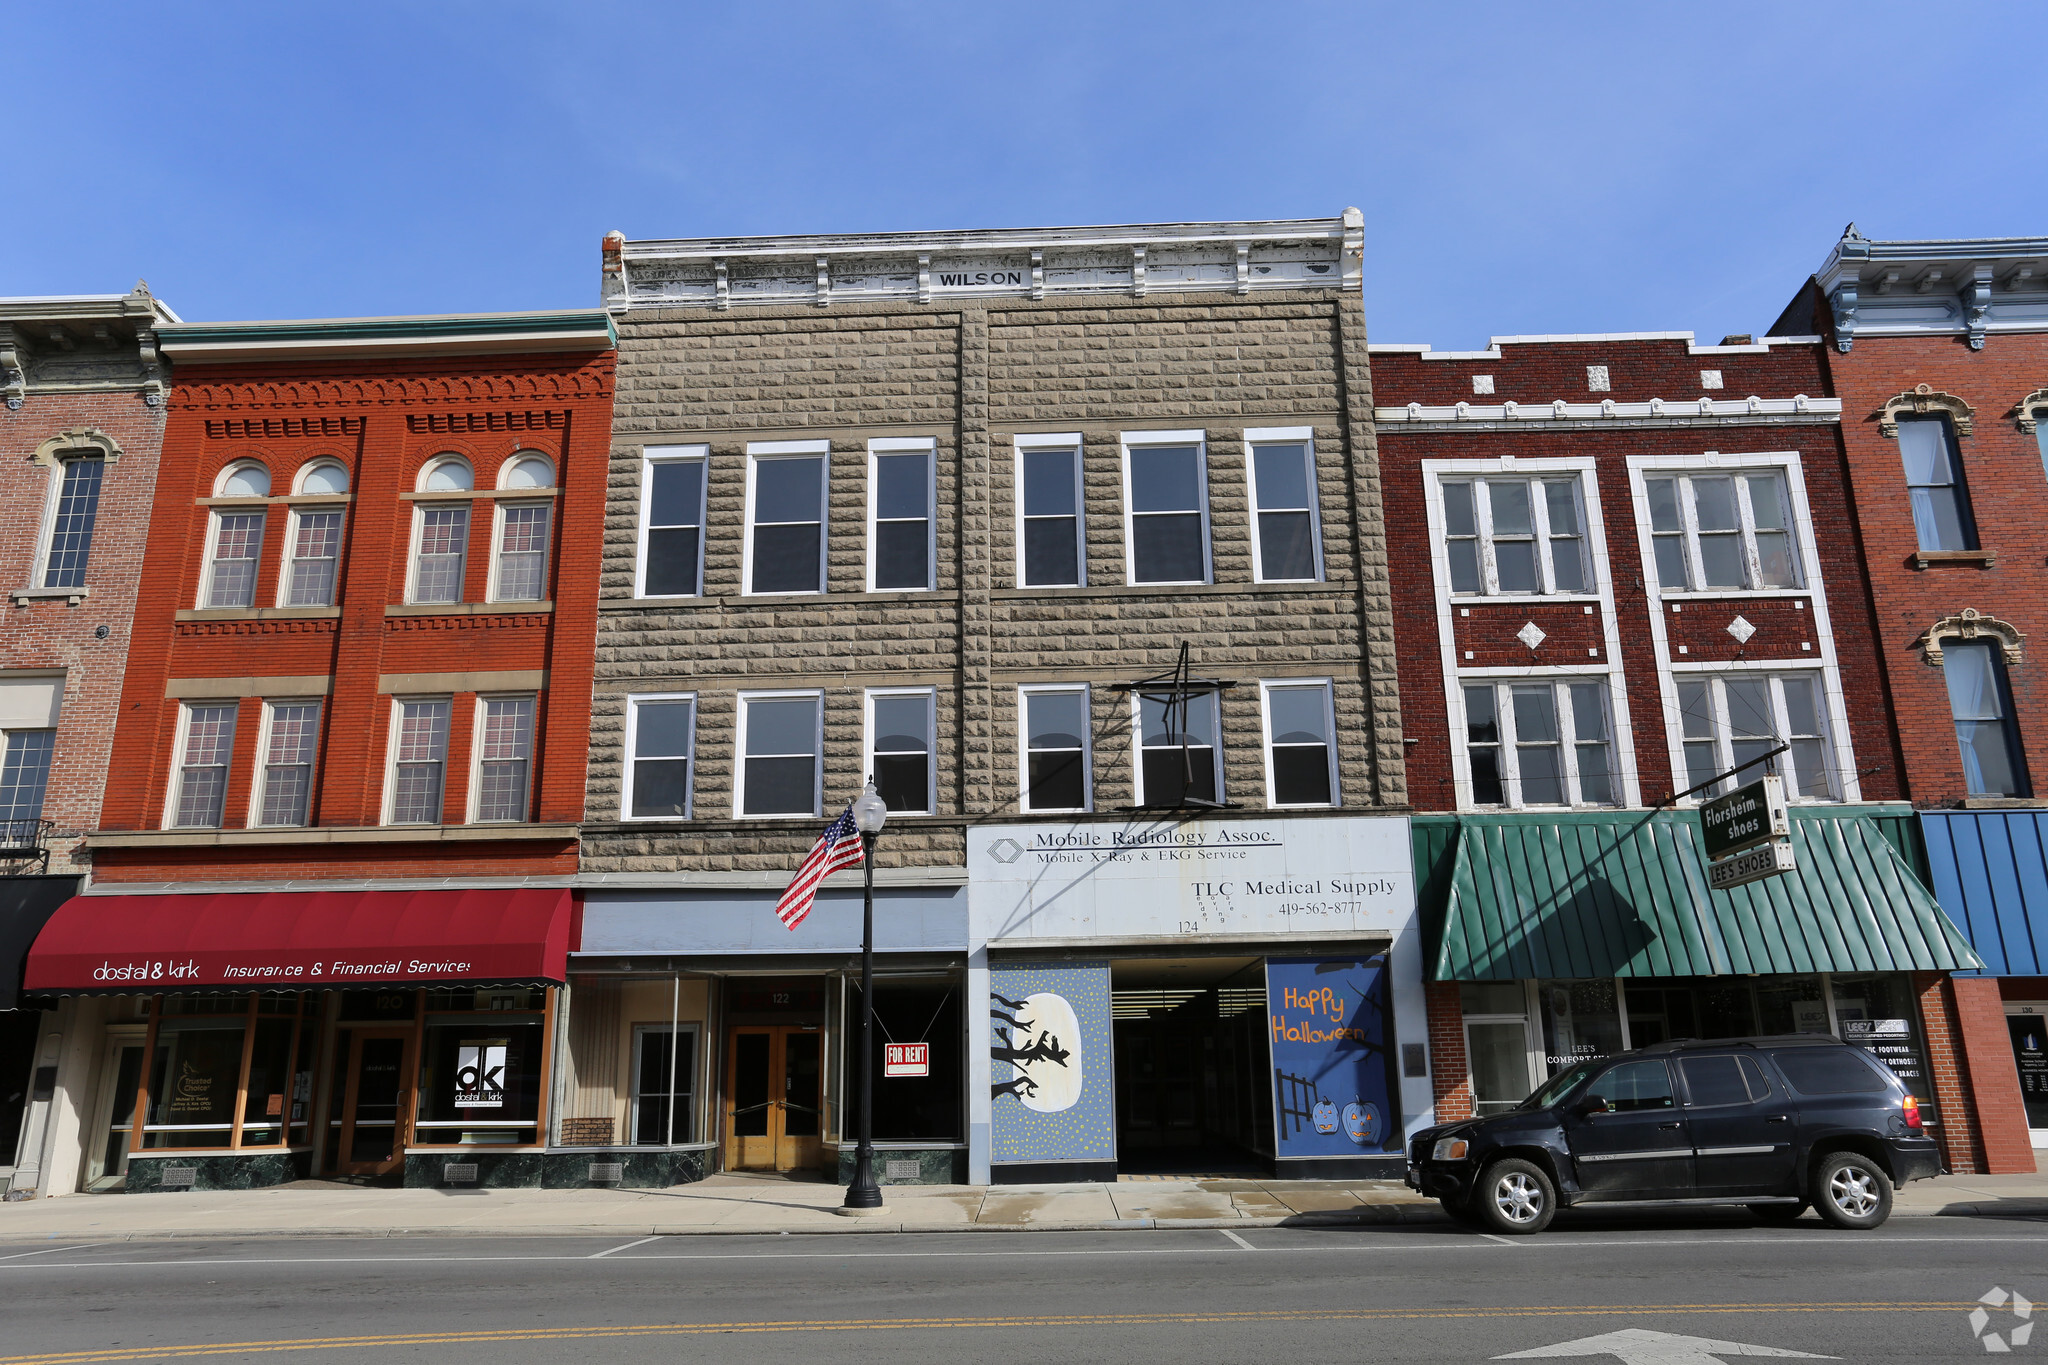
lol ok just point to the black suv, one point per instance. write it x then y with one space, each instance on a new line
1774 1123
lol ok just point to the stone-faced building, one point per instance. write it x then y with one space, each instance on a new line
79 436
1938 351
951 510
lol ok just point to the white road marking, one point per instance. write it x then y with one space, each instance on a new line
600 1255
1237 1239
47 1250
1504 1241
1640 1346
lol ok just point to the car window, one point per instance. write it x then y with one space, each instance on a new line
1759 1085
1633 1087
1830 1071
1557 1087
1714 1080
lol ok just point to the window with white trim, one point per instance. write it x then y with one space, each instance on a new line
672 480
1286 531
781 768
1980 702
522 566
322 477
661 750
1049 528
76 511
1180 762
1539 743
901 491
1301 757
204 749
1714 531
785 549
1509 535
291 734
900 724
1055 767
24 775
1732 721
235 546
1934 477
316 556
504 759
419 760
442 556
1166 510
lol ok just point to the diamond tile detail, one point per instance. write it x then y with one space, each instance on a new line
1530 634
1741 630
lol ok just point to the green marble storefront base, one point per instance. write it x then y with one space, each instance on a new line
640 1168
474 1170
150 1173
935 1165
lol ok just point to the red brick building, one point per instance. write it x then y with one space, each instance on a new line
1938 351
79 435
350 755
1623 565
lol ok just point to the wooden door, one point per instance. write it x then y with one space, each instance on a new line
376 1108
774 1117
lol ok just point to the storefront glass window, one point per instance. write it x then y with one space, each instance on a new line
480 1074
664 1089
1580 1021
909 1108
1881 1015
209 1047
2030 1042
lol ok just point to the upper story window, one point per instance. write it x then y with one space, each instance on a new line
661 747
1049 528
519 570
781 754
315 538
235 538
29 709
1980 701
900 753
285 784
1286 534
76 509
1301 760
1713 531
672 480
1539 744
1934 477
901 493
504 758
207 742
419 760
1732 722
786 484
1504 534
1166 507
1054 760
323 478
1179 761
440 557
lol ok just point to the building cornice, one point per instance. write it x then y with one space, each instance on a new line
1760 346
1966 286
339 338
1798 410
1239 258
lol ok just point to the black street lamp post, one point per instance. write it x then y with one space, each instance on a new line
870 813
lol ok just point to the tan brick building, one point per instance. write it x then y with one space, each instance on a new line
930 507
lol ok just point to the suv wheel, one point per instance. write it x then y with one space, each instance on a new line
1851 1191
1778 1213
1515 1197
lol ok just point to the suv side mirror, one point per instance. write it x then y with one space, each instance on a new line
1591 1105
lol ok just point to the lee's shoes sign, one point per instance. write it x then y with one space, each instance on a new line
480 1075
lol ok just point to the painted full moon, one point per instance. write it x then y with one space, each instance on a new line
1058 1087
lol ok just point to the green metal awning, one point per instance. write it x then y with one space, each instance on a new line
1590 895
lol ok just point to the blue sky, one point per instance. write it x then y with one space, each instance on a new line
1523 168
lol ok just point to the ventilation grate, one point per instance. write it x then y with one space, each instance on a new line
901 1170
607 1172
459 1173
178 1177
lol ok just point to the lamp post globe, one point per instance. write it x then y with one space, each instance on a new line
870 813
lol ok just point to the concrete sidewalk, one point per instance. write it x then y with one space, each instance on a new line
749 1204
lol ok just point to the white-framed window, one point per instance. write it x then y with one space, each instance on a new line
901 752
243 479
502 785
1166 507
1287 539
902 493
1730 721
1980 701
1301 750
1054 772
781 751
441 552
519 568
1539 742
234 546
321 477
30 708
288 743
661 755
787 482
1934 477
671 552
1722 529
206 744
1510 534
664 1084
315 540
419 760
1180 761
1051 536
74 510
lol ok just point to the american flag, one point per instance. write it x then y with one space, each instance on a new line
837 847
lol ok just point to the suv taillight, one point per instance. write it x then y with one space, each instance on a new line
1912 1108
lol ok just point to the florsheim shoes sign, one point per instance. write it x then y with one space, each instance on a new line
1746 834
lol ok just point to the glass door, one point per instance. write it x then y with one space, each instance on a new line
1498 1052
114 1113
774 1120
375 1106
2028 1021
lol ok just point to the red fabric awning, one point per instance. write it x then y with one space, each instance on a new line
300 940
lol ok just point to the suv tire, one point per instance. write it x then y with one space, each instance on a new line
1514 1197
1778 1213
1851 1191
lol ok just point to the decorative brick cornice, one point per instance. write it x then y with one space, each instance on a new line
493 622
385 390
1919 401
2027 412
1969 624
301 626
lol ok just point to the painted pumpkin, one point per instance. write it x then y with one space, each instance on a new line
1325 1116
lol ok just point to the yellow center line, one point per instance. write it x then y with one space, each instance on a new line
1041 1321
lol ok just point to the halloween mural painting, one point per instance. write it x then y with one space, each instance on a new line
1050 1070
1331 1047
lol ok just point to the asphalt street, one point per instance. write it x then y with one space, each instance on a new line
1646 1286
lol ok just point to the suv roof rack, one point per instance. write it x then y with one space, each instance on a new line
1772 1040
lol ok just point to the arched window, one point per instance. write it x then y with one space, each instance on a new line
315 538
324 476
243 479
527 470
234 540
519 566
447 474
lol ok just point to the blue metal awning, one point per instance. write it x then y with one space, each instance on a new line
1990 872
